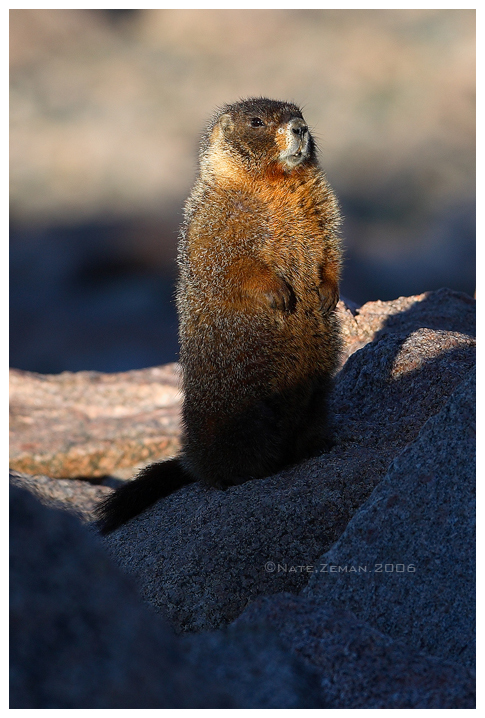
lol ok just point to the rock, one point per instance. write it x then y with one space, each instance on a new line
395 490
81 637
358 666
202 554
79 497
443 309
415 539
255 666
89 424
393 385
92 424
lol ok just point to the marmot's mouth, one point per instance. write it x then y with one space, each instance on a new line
291 158
297 140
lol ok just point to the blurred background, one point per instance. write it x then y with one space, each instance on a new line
106 111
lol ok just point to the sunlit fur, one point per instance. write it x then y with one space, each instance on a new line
259 259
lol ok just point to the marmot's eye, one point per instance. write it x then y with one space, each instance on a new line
257 122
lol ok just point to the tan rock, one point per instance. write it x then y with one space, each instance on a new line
361 324
78 497
88 424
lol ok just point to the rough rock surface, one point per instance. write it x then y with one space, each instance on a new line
91 424
255 667
358 666
202 555
81 637
422 515
443 309
395 489
77 496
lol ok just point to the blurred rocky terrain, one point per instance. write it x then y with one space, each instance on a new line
106 108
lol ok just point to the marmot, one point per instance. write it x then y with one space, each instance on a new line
259 259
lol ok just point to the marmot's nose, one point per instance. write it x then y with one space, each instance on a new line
298 127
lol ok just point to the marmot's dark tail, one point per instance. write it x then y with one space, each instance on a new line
152 483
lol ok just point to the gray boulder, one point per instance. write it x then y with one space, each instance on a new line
255 665
358 666
80 637
406 562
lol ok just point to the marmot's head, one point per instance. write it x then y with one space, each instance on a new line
256 135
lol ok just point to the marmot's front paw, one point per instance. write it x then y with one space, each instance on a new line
329 296
280 296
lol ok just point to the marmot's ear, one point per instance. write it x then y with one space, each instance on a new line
226 123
